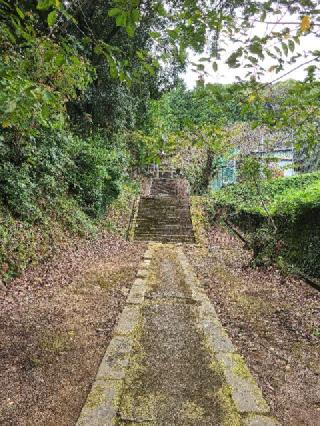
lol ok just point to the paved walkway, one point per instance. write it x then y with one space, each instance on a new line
171 381
170 361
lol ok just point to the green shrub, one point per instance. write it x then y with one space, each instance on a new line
287 231
295 201
95 175
275 193
33 173
18 190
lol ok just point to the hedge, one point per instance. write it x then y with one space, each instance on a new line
291 204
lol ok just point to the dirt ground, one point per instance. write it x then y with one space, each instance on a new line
55 324
273 320
56 321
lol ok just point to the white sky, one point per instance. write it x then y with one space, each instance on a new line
228 75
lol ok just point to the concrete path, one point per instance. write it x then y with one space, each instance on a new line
170 361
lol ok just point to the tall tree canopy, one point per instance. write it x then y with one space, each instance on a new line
77 78
90 67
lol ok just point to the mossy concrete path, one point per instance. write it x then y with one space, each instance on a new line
170 361
170 379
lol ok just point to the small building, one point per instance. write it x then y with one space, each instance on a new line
280 159
226 174
275 149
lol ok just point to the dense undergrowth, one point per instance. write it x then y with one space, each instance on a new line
62 222
283 196
55 186
280 217
66 110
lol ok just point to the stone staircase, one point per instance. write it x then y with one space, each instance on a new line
164 215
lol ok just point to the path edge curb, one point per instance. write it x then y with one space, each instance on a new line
245 392
103 400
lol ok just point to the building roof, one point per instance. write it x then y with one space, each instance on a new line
261 140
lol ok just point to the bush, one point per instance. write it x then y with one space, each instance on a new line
296 201
95 175
33 173
59 163
275 193
287 230
18 190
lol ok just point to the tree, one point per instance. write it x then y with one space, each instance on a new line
92 67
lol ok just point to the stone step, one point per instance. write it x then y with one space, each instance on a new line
164 231
169 209
166 238
163 238
169 183
164 226
165 174
163 202
160 215
165 212
163 206
160 232
163 216
160 189
174 224
165 183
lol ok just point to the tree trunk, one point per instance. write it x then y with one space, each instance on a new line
207 172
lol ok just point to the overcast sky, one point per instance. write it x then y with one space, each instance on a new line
228 75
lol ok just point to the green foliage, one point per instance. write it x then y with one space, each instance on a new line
58 163
294 202
35 87
31 172
289 105
181 109
263 242
283 195
291 239
252 171
17 190
95 175
75 82
64 113
193 127
127 14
